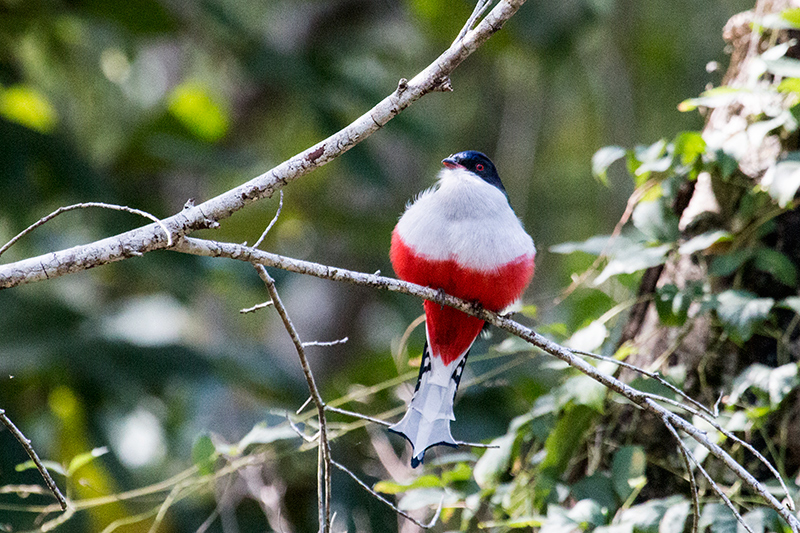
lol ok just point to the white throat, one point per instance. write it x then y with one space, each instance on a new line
464 218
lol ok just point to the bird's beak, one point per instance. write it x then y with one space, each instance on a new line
451 163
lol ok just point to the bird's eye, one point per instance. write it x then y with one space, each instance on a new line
479 167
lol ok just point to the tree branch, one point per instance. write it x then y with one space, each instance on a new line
641 399
26 444
324 467
207 214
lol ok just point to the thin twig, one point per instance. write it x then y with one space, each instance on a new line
272 222
255 307
324 458
480 8
652 375
688 453
299 431
692 480
85 205
325 343
387 502
709 420
358 415
305 403
26 445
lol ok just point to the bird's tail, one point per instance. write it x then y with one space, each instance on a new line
427 420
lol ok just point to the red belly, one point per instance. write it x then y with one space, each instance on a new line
451 332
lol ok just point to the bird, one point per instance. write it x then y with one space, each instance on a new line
461 237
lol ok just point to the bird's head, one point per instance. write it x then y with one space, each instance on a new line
476 163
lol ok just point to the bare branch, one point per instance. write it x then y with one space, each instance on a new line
387 502
324 470
26 445
652 375
358 415
86 205
480 8
271 223
255 307
207 214
692 482
325 343
688 453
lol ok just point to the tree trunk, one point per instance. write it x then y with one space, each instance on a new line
712 360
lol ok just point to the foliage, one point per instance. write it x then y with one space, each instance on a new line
93 107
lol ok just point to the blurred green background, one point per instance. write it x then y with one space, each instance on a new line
148 103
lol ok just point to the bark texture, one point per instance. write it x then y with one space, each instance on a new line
710 359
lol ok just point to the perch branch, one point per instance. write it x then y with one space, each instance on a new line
641 399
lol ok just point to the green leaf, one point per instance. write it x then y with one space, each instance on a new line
616 528
741 312
204 454
789 85
423 482
28 107
462 472
264 434
566 439
589 338
85 458
717 518
201 113
50 465
792 16
777 264
587 513
656 220
603 158
763 519
727 163
558 520
523 522
704 241
689 145
427 497
781 181
782 381
648 517
495 461
582 390
792 303
754 376
716 97
593 245
672 305
638 258
674 519
725 265
597 487
627 469
766 382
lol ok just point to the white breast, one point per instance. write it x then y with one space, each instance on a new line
465 219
